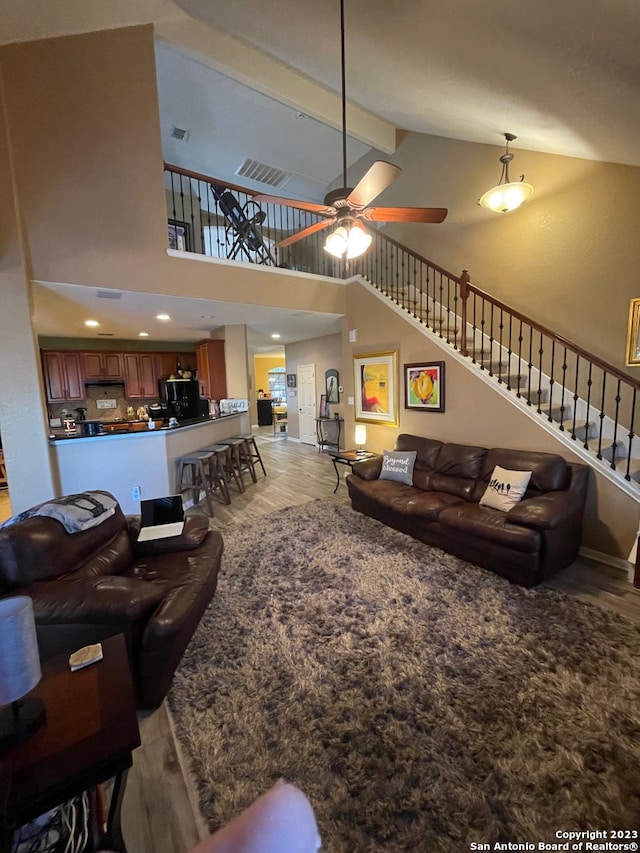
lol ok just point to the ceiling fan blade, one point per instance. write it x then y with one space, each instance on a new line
405 214
379 176
311 206
306 232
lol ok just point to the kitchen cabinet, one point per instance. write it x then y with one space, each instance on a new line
103 365
141 371
63 379
169 362
212 372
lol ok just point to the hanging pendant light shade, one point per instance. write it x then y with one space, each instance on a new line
507 195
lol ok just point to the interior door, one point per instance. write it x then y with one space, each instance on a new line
307 402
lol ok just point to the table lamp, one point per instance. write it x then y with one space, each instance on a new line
361 437
19 672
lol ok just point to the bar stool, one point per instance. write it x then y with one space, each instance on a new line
194 475
229 470
252 450
242 458
218 469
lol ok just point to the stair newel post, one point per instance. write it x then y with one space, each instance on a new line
465 278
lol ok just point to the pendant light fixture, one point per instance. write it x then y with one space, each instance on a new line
507 195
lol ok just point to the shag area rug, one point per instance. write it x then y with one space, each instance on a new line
420 702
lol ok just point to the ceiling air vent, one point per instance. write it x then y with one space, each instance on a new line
109 294
179 133
263 173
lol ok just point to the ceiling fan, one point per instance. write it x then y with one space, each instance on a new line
348 206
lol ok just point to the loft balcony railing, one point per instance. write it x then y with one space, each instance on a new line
589 401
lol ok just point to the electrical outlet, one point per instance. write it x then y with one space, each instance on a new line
136 491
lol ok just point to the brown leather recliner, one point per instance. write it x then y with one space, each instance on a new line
89 585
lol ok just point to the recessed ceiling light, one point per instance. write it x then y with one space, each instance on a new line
143 334
91 323
163 317
276 335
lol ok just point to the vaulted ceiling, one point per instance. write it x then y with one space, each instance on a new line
565 77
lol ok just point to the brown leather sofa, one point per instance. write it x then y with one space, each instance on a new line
527 544
92 584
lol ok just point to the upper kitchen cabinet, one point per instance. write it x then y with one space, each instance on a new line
171 362
212 372
63 379
141 372
103 365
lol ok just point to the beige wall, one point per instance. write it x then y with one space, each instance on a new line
324 353
568 258
474 414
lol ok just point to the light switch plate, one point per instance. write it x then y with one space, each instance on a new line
106 403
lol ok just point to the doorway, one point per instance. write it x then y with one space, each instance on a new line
307 402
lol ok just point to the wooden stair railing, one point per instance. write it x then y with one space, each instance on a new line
592 402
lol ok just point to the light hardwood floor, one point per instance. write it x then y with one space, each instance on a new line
160 812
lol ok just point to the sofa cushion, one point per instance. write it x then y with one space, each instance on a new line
490 524
401 498
398 466
505 489
549 471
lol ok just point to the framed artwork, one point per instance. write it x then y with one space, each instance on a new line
178 233
291 380
633 334
376 395
324 406
332 384
424 386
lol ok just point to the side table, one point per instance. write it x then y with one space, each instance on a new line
328 431
90 732
347 457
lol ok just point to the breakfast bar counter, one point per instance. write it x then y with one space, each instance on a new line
139 464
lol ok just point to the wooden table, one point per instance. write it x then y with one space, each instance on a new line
347 457
90 732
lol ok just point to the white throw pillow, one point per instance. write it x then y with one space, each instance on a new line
505 489
398 465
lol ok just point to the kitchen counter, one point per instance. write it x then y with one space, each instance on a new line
137 464
120 428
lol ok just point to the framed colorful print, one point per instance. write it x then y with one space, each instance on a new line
424 386
332 382
633 334
376 395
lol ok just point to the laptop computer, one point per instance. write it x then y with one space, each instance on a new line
161 518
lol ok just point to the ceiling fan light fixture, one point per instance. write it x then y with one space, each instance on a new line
348 241
507 195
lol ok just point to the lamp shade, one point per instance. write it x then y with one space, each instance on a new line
19 658
505 197
350 241
361 434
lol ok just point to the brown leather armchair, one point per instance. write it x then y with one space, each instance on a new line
89 585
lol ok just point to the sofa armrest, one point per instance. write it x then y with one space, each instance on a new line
193 535
546 511
103 600
368 469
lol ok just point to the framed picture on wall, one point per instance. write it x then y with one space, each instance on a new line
376 396
291 380
324 406
424 386
332 385
178 233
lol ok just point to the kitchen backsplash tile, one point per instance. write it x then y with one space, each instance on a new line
90 403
